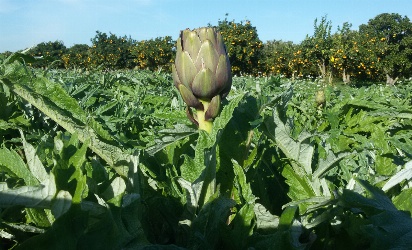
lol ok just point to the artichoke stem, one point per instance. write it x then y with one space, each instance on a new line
203 124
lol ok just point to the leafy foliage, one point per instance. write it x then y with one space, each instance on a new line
52 52
77 56
154 54
110 51
316 48
389 41
243 46
278 57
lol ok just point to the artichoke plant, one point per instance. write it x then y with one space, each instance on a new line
202 74
320 98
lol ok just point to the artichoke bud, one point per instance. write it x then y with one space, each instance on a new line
202 69
320 98
213 109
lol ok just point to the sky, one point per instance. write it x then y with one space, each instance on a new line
25 23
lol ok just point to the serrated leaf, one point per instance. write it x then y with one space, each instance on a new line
331 159
300 186
264 219
39 217
193 193
204 165
298 151
33 162
79 156
245 190
190 169
5 235
389 228
403 201
179 132
64 234
12 163
25 228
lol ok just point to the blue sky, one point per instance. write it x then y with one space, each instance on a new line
25 23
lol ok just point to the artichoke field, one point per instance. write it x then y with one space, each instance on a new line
109 160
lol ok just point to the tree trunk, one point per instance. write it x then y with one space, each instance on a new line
330 77
345 77
322 68
390 81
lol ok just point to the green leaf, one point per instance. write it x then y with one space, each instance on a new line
193 193
287 217
264 219
403 201
61 203
245 190
36 167
377 203
29 196
39 217
299 151
179 132
331 160
115 191
223 119
300 187
64 233
12 163
79 157
210 222
404 174
242 225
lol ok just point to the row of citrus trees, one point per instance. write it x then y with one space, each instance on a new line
379 50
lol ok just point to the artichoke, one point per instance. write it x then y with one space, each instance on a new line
202 73
320 98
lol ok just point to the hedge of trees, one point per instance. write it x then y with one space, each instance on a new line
380 50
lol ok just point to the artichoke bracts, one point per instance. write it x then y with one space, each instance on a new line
202 73
320 99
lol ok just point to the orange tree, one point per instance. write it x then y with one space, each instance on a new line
77 56
365 62
110 51
51 52
243 46
388 39
299 65
154 54
345 52
317 48
277 56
